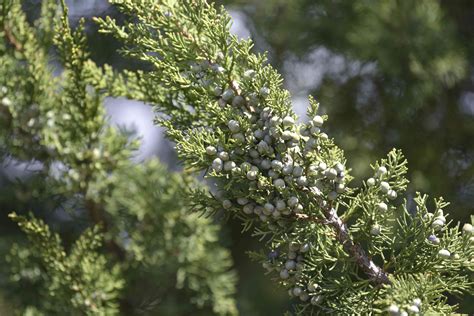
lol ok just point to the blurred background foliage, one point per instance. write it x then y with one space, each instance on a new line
390 73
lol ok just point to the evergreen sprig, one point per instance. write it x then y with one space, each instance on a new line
143 251
336 248
164 241
79 283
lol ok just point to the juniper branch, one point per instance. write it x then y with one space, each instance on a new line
374 272
231 118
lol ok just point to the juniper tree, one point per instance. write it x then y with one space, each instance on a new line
336 248
117 237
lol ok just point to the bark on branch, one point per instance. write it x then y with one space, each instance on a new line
376 274
12 40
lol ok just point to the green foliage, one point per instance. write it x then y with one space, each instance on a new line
388 73
160 236
425 37
76 284
142 251
337 247
412 42
231 118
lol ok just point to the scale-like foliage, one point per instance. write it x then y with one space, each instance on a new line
75 284
336 248
160 235
144 251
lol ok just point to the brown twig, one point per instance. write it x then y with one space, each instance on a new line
97 216
12 40
376 274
